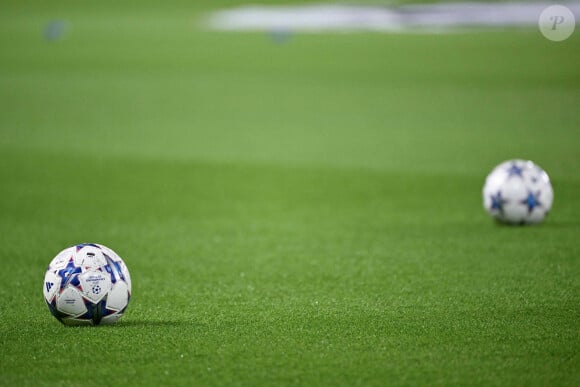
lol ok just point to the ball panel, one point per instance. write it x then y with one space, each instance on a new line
89 256
95 285
70 302
107 251
118 296
61 260
51 285
127 276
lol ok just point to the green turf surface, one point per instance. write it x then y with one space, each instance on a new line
301 213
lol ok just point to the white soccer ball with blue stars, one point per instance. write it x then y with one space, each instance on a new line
87 284
518 192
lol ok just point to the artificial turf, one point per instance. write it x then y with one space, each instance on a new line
306 212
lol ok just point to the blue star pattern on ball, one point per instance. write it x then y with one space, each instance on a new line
67 274
514 170
532 201
497 202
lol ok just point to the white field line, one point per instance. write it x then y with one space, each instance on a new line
407 18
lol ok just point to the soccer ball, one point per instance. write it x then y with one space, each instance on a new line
87 284
518 192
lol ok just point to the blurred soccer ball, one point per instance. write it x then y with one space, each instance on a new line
518 192
87 284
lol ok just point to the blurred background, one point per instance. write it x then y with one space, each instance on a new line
154 80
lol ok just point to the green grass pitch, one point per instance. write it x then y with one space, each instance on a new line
297 213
